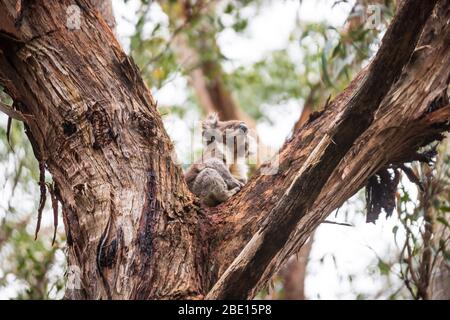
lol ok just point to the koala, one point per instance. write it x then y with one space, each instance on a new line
222 170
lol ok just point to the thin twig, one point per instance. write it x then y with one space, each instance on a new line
339 223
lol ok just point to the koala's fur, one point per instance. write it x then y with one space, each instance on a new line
223 169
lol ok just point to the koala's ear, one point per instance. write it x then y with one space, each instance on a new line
210 122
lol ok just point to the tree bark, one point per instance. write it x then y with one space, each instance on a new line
294 272
310 183
96 127
440 278
133 228
105 8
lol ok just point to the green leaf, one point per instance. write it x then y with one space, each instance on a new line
383 267
394 231
229 8
324 65
240 25
336 50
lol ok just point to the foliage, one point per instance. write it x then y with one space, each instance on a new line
330 56
426 225
25 264
29 264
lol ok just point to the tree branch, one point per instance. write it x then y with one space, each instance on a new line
360 102
129 217
9 111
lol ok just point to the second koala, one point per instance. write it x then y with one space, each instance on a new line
222 170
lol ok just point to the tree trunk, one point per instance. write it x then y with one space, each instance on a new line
440 278
134 231
96 127
293 273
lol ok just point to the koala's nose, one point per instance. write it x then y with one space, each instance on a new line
243 127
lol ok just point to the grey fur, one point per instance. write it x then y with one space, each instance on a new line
215 184
211 179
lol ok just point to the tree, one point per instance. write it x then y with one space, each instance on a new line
272 80
133 228
423 259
